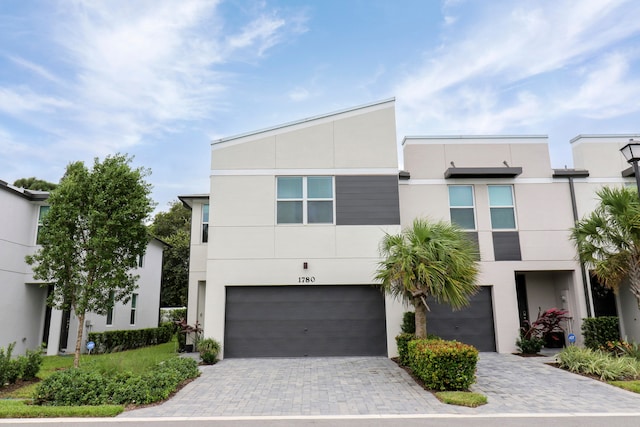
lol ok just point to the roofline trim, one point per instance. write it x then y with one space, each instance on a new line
462 139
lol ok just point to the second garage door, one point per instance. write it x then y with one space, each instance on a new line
298 321
471 325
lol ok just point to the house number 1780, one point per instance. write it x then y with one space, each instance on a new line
306 279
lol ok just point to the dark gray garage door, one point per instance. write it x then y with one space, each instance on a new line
295 321
472 325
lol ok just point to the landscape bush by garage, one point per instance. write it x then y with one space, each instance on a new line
81 386
110 341
402 341
443 365
597 331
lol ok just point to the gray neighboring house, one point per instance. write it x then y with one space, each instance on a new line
284 248
24 315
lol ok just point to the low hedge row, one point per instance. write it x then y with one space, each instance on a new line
443 365
23 367
112 341
79 386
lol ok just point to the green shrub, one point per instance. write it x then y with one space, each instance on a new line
5 363
597 331
443 365
598 363
408 322
531 345
82 386
402 341
120 340
31 364
209 350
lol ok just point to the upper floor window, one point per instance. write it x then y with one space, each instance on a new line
44 210
140 261
502 207
461 206
205 223
305 200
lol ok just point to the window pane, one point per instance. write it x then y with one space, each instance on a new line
205 213
502 218
320 187
320 212
289 187
289 212
460 195
500 195
205 233
463 218
44 210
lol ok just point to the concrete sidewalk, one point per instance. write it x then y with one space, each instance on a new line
377 386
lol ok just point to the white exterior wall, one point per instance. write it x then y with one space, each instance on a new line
22 306
543 218
247 248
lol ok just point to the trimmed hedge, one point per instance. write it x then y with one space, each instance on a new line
597 331
113 341
443 365
402 341
81 386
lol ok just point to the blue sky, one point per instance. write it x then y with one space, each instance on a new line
161 79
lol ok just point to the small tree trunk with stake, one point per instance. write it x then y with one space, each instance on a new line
76 358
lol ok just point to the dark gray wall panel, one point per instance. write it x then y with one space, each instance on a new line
295 321
472 325
506 246
367 200
473 236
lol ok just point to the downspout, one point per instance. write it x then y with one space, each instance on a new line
585 284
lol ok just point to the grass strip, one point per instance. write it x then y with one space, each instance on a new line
21 409
633 386
461 398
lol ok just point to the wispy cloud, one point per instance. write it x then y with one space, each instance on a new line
487 75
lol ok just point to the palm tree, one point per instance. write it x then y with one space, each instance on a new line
429 258
608 239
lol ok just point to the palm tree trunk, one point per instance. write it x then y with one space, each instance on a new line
634 281
76 358
421 318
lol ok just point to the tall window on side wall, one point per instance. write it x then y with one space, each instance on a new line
305 200
134 304
44 210
501 207
110 309
462 206
205 223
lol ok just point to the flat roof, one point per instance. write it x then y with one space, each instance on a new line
498 139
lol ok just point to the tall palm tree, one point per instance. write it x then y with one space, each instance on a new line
608 239
429 258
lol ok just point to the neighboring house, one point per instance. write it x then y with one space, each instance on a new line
24 315
284 249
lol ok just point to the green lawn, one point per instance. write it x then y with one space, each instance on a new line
12 404
633 385
461 398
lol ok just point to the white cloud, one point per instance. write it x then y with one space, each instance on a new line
37 69
20 100
299 94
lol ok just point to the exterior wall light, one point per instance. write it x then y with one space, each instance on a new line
631 152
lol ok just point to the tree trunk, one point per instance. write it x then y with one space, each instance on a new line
634 280
421 318
76 359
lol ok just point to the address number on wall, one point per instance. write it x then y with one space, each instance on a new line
306 279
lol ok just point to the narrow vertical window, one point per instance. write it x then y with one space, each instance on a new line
205 223
140 261
44 210
110 308
134 303
461 206
501 207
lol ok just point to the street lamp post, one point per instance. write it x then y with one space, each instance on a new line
631 152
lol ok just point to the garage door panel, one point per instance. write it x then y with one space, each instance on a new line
268 321
471 325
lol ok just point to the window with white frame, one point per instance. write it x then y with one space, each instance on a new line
134 304
44 210
462 207
501 207
205 223
304 200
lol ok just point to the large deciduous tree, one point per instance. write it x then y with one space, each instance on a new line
429 258
93 236
34 183
173 227
608 239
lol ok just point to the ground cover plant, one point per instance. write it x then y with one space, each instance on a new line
139 364
461 398
599 364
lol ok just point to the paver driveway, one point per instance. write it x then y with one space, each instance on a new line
371 385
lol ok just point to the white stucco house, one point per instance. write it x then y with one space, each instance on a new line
24 315
285 246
